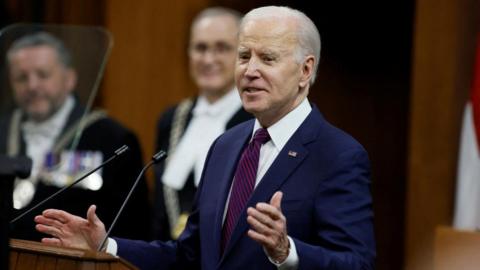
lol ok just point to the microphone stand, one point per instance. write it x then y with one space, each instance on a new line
161 155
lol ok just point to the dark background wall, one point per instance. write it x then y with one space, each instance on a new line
382 67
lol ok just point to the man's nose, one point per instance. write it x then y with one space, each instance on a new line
209 56
33 83
252 68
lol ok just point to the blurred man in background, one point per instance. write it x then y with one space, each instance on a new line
188 129
64 141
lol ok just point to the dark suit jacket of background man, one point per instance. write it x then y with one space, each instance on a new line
104 135
187 193
327 204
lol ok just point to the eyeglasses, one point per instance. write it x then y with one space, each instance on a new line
217 49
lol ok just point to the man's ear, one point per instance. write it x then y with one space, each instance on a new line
70 79
307 70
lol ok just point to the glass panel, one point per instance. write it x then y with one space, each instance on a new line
49 77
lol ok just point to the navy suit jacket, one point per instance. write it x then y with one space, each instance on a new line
326 202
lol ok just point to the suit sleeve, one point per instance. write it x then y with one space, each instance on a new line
343 218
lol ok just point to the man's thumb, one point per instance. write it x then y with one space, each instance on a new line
276 200
91 216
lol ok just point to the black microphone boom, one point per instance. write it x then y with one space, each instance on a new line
118 152
161 155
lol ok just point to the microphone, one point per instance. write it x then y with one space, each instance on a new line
118 152
15 166
161 155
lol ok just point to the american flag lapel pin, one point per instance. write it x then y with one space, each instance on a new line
292 153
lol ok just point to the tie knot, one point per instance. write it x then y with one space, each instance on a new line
261 136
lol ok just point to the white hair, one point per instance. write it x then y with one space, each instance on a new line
307 33
217 12
41 39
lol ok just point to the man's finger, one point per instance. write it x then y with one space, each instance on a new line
259 226
61 215
48 230
48 221
276 200
268 209
262 217
41 219
260 238
91 216
52 241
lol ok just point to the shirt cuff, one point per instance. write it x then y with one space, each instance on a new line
112 247
291 262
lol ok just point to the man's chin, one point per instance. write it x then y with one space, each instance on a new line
38 116
252 108
214 89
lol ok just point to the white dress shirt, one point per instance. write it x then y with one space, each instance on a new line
39 139
209 121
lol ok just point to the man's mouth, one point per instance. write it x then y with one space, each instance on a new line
252 90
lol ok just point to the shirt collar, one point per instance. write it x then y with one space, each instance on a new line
230 101
283 129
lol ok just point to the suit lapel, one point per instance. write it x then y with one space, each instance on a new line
231 155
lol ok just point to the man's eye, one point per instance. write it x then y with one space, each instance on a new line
243 56
201 48
268 58
223 48
20 78
43 74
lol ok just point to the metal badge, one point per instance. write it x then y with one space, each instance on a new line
64 168
23 193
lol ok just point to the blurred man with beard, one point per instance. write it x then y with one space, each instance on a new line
51 127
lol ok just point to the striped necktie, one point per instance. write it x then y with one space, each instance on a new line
243 183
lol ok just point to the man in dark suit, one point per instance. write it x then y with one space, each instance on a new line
187 130
64 141
285 191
